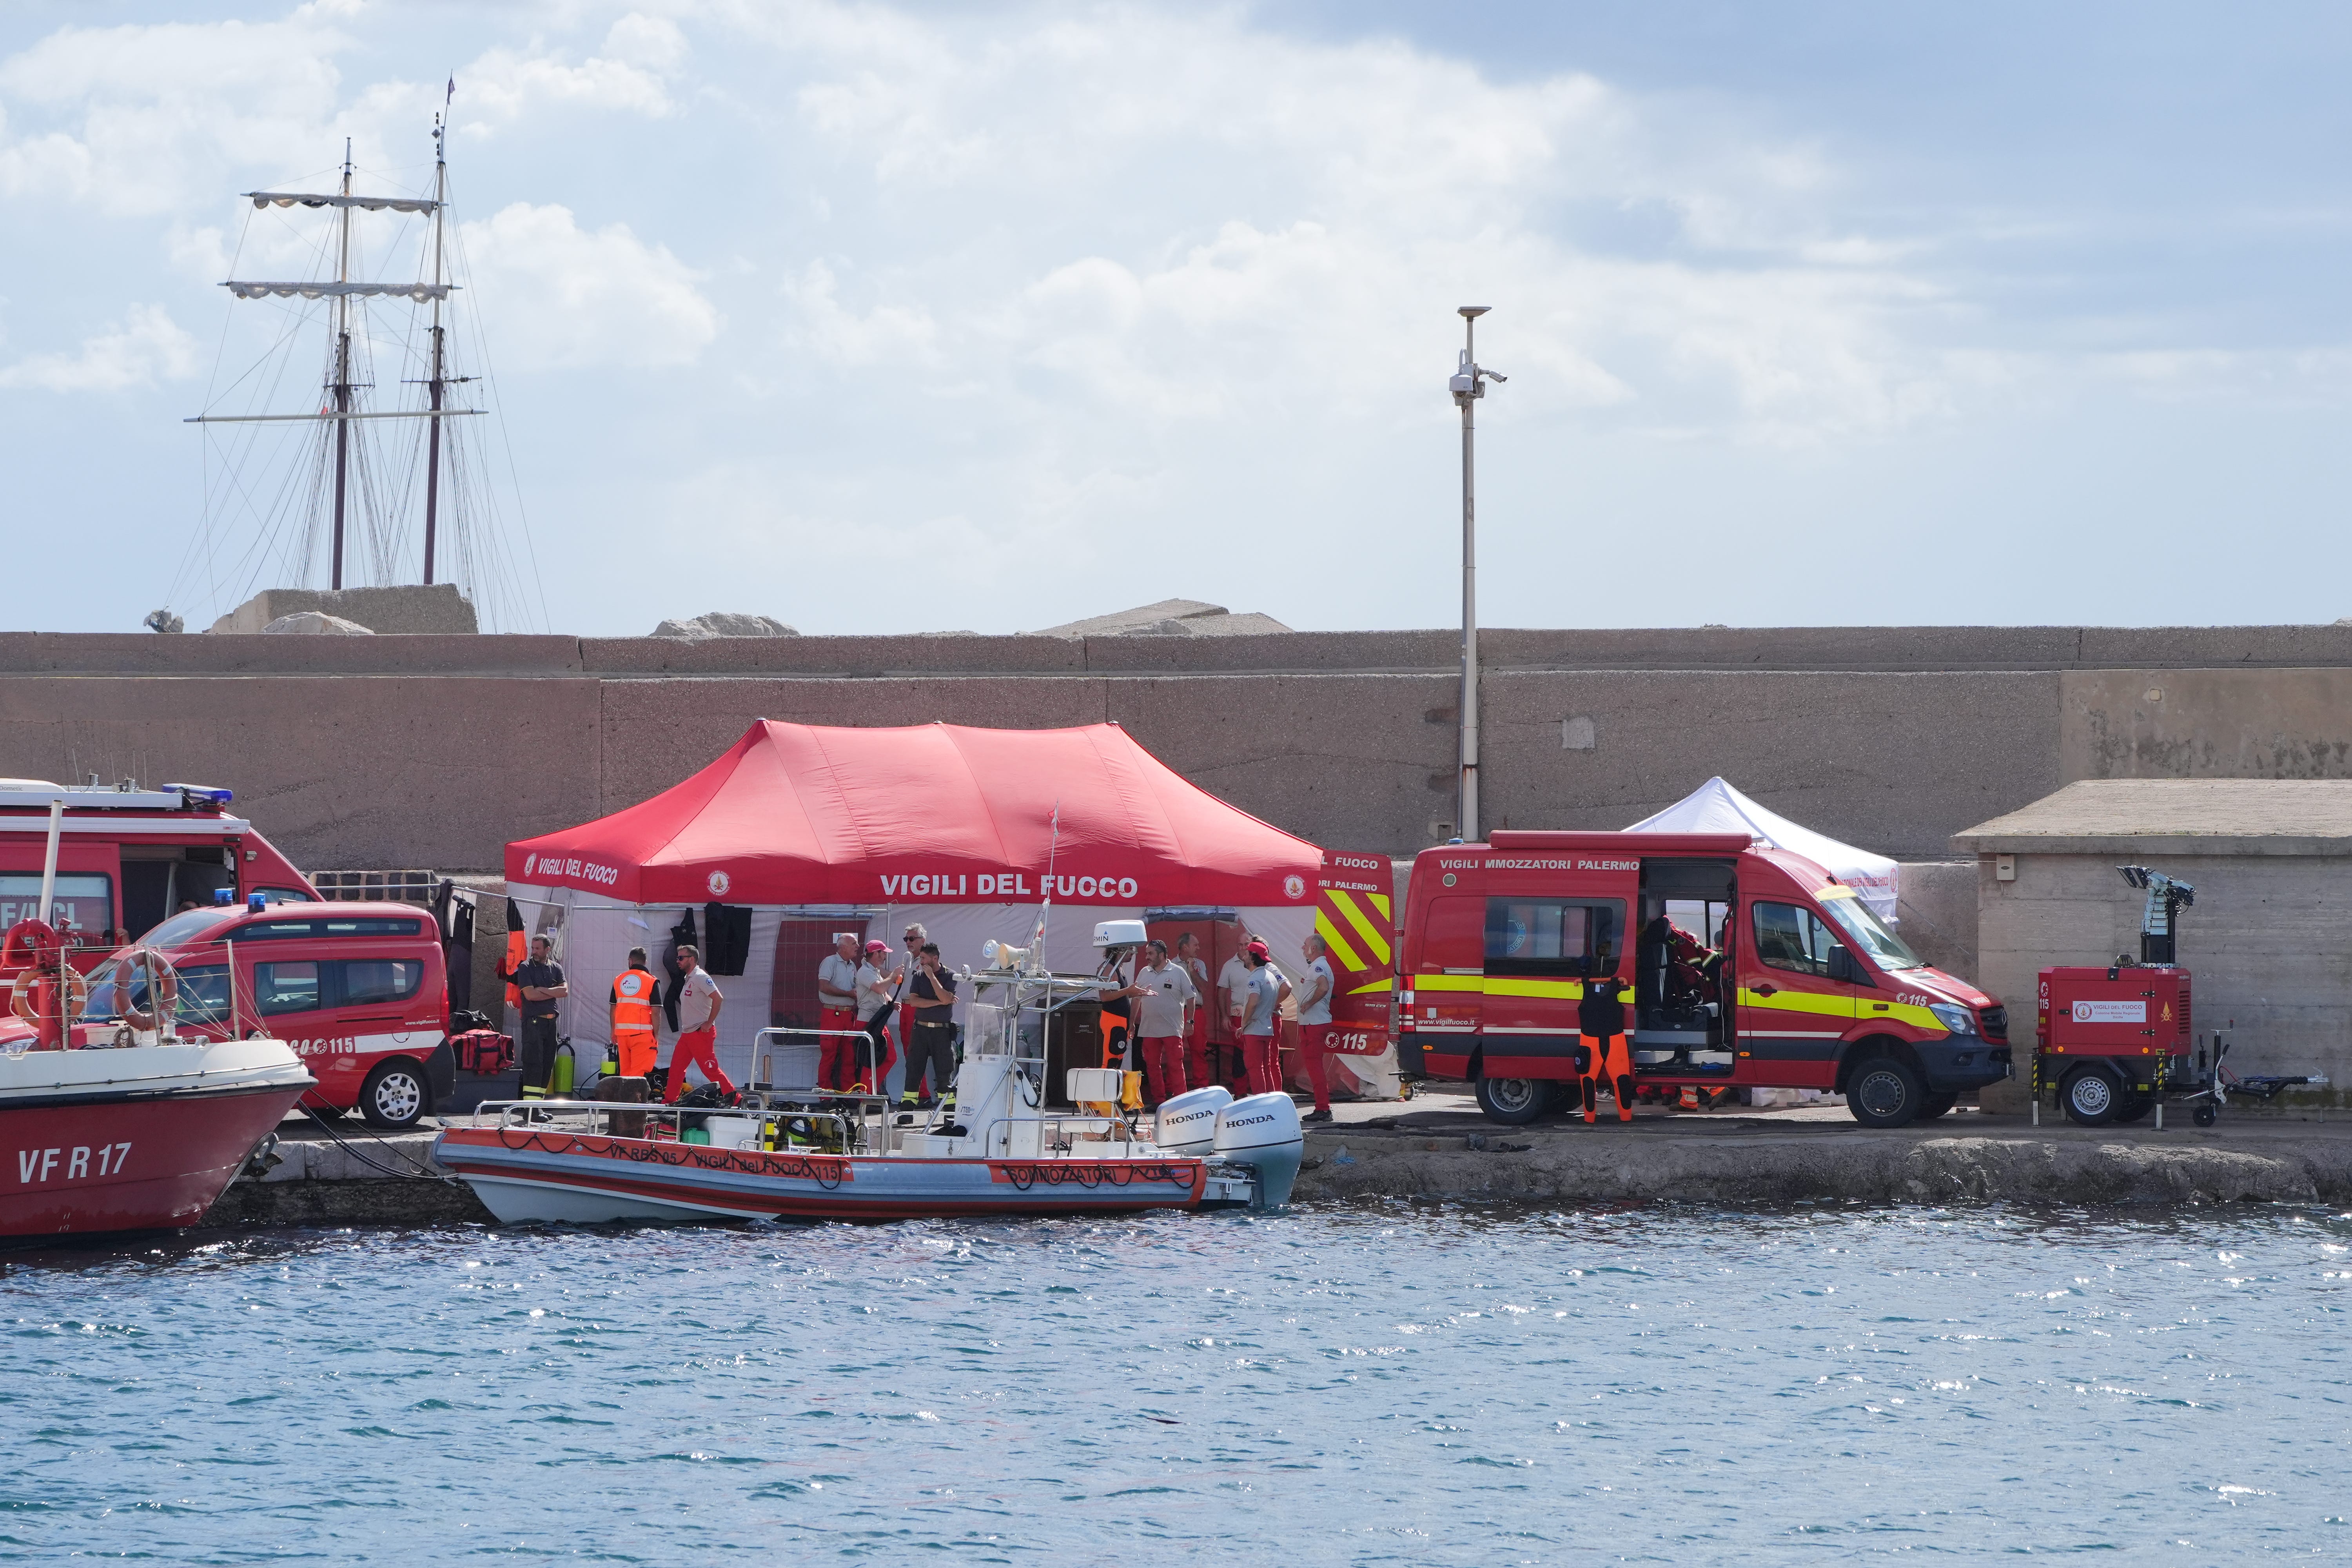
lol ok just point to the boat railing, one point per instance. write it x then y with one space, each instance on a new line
854 1128
788 1057
1054 1136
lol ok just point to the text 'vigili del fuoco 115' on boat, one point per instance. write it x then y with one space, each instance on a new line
118 1124
789 1148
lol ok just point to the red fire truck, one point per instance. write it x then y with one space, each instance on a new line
1743 967
128 857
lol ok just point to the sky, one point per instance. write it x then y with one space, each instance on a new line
991 317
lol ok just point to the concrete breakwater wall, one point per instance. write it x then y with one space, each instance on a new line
1732 1166
428 750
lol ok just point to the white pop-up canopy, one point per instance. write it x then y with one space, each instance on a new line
1715 807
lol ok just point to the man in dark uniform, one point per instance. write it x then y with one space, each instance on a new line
1601 1026
541 982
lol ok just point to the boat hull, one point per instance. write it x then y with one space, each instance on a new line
524 1173
129 1164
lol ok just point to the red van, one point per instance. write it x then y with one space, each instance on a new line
1745 967
359 989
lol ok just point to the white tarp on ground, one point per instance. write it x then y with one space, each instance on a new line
1715 807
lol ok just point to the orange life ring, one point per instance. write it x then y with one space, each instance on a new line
20 1000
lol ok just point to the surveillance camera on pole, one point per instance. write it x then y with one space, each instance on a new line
1468 384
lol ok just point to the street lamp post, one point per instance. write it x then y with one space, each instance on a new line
1469 384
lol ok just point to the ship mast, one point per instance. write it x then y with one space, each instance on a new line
341 411
344 361
439 379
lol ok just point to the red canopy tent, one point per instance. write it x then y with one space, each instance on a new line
802 814
819 830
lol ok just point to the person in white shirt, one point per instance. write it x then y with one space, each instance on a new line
1263 995
1233 992
1162 991
836 1001
698 1001
1196 1012
1314 1024
876 986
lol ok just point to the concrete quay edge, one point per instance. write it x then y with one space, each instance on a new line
1725 1161
1731 1165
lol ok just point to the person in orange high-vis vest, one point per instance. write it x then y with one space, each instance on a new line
636 1038
1608 1063
517 950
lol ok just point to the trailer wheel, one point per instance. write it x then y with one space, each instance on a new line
2090 1096
2134 1108
1514 1101
1936 1105
1884 1092
2204 1116
394 1095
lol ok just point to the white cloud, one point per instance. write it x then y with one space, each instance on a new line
145 347
641 53
555 294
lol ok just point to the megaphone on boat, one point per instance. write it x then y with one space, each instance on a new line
994 954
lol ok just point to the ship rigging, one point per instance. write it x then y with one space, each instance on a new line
343 476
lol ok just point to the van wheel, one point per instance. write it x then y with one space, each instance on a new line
394 1095
1936 1105
1884 1092
1514 1101
2090 1096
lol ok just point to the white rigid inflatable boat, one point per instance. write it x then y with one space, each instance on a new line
790 1150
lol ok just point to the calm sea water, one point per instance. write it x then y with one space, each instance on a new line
1397 1384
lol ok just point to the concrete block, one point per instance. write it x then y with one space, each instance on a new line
437 609
2206 723
113 653
865 657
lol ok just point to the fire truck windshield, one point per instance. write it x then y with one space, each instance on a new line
1867 932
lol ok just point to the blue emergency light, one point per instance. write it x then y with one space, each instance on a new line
224 894
257 902
217 795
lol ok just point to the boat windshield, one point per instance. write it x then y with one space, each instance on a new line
1867 932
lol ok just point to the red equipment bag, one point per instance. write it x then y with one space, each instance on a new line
484 1052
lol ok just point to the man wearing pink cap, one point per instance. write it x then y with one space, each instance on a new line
875 987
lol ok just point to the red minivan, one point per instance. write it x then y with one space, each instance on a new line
359 989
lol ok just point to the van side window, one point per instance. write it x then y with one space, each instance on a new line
1793 939
287 988
1551 936
373 979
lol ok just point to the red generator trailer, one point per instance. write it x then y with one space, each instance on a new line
2115 1042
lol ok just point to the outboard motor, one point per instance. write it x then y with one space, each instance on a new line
1262 1132
1187 1124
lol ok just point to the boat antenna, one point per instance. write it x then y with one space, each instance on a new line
1046 910
438 381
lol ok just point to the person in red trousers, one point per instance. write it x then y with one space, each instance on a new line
1261 993
1314 1024
1196 1015
836 1000
1162 989
699 1002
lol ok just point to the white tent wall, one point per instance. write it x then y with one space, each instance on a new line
593 935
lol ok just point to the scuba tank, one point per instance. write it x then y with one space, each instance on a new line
562 1088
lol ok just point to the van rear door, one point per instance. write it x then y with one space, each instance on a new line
1449 976
1792 1013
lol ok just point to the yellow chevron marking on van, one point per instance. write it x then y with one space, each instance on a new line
1364 927
1346 955
1385 983
1380 902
